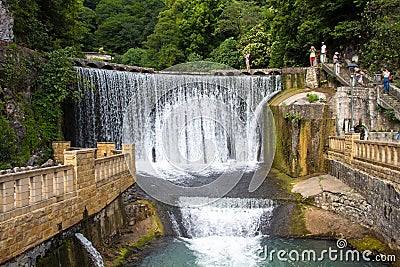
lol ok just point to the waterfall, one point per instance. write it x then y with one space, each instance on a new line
174 119
226 231
93 253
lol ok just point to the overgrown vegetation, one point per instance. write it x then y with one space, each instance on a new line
32 92
294 117
312 97
388 112
162 33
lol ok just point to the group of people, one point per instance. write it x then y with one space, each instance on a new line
314 52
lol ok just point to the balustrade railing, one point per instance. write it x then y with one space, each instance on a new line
18 190
110 166
380 152
337 144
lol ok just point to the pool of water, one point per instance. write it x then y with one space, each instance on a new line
254 251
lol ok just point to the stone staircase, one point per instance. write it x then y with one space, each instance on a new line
343 77
390 100
387 101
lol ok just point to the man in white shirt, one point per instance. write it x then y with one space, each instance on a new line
323 53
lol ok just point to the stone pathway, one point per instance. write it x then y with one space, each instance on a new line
318 184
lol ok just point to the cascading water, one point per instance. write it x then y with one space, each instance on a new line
172 118
227 231
183 126
92 251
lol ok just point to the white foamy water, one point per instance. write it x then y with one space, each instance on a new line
226 231
92 251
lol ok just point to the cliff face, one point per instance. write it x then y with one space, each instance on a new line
6 23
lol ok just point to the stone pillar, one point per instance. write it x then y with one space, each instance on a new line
84 168
349 146
58 150
312 77
6 196
104 149
130 157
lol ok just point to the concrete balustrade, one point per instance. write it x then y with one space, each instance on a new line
380 152
19 190
374 157
337 143
37 204
110 166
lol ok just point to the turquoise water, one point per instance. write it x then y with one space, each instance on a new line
236 232
250 251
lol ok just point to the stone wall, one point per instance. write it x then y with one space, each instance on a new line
302 141
37 205
348 204
293 78
382 136
58 150
383 197
372 169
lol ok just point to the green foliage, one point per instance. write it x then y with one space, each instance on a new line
294 117
38 114
237 17
390 113
134 57
312 98
256 42
125 24
8 144
227 53
15 68
47 25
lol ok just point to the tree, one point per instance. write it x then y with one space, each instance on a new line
236 17
125 24
134 57
46 24
381 27
256 42
227 53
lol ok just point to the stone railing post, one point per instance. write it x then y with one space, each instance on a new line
58 150
105 149
349 147
84 168
130 159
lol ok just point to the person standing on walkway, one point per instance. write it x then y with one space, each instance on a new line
323 53
247 56
386 77
336 63
312 55
398 136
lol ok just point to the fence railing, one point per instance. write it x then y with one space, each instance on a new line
110 166
22 189
337 144
380 152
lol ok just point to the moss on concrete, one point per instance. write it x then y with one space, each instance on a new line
369 243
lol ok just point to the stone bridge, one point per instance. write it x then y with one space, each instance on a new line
372 168
38 204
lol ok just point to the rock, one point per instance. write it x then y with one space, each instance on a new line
33 160
19 129
48 163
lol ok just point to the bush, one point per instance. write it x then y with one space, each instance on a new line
312 98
